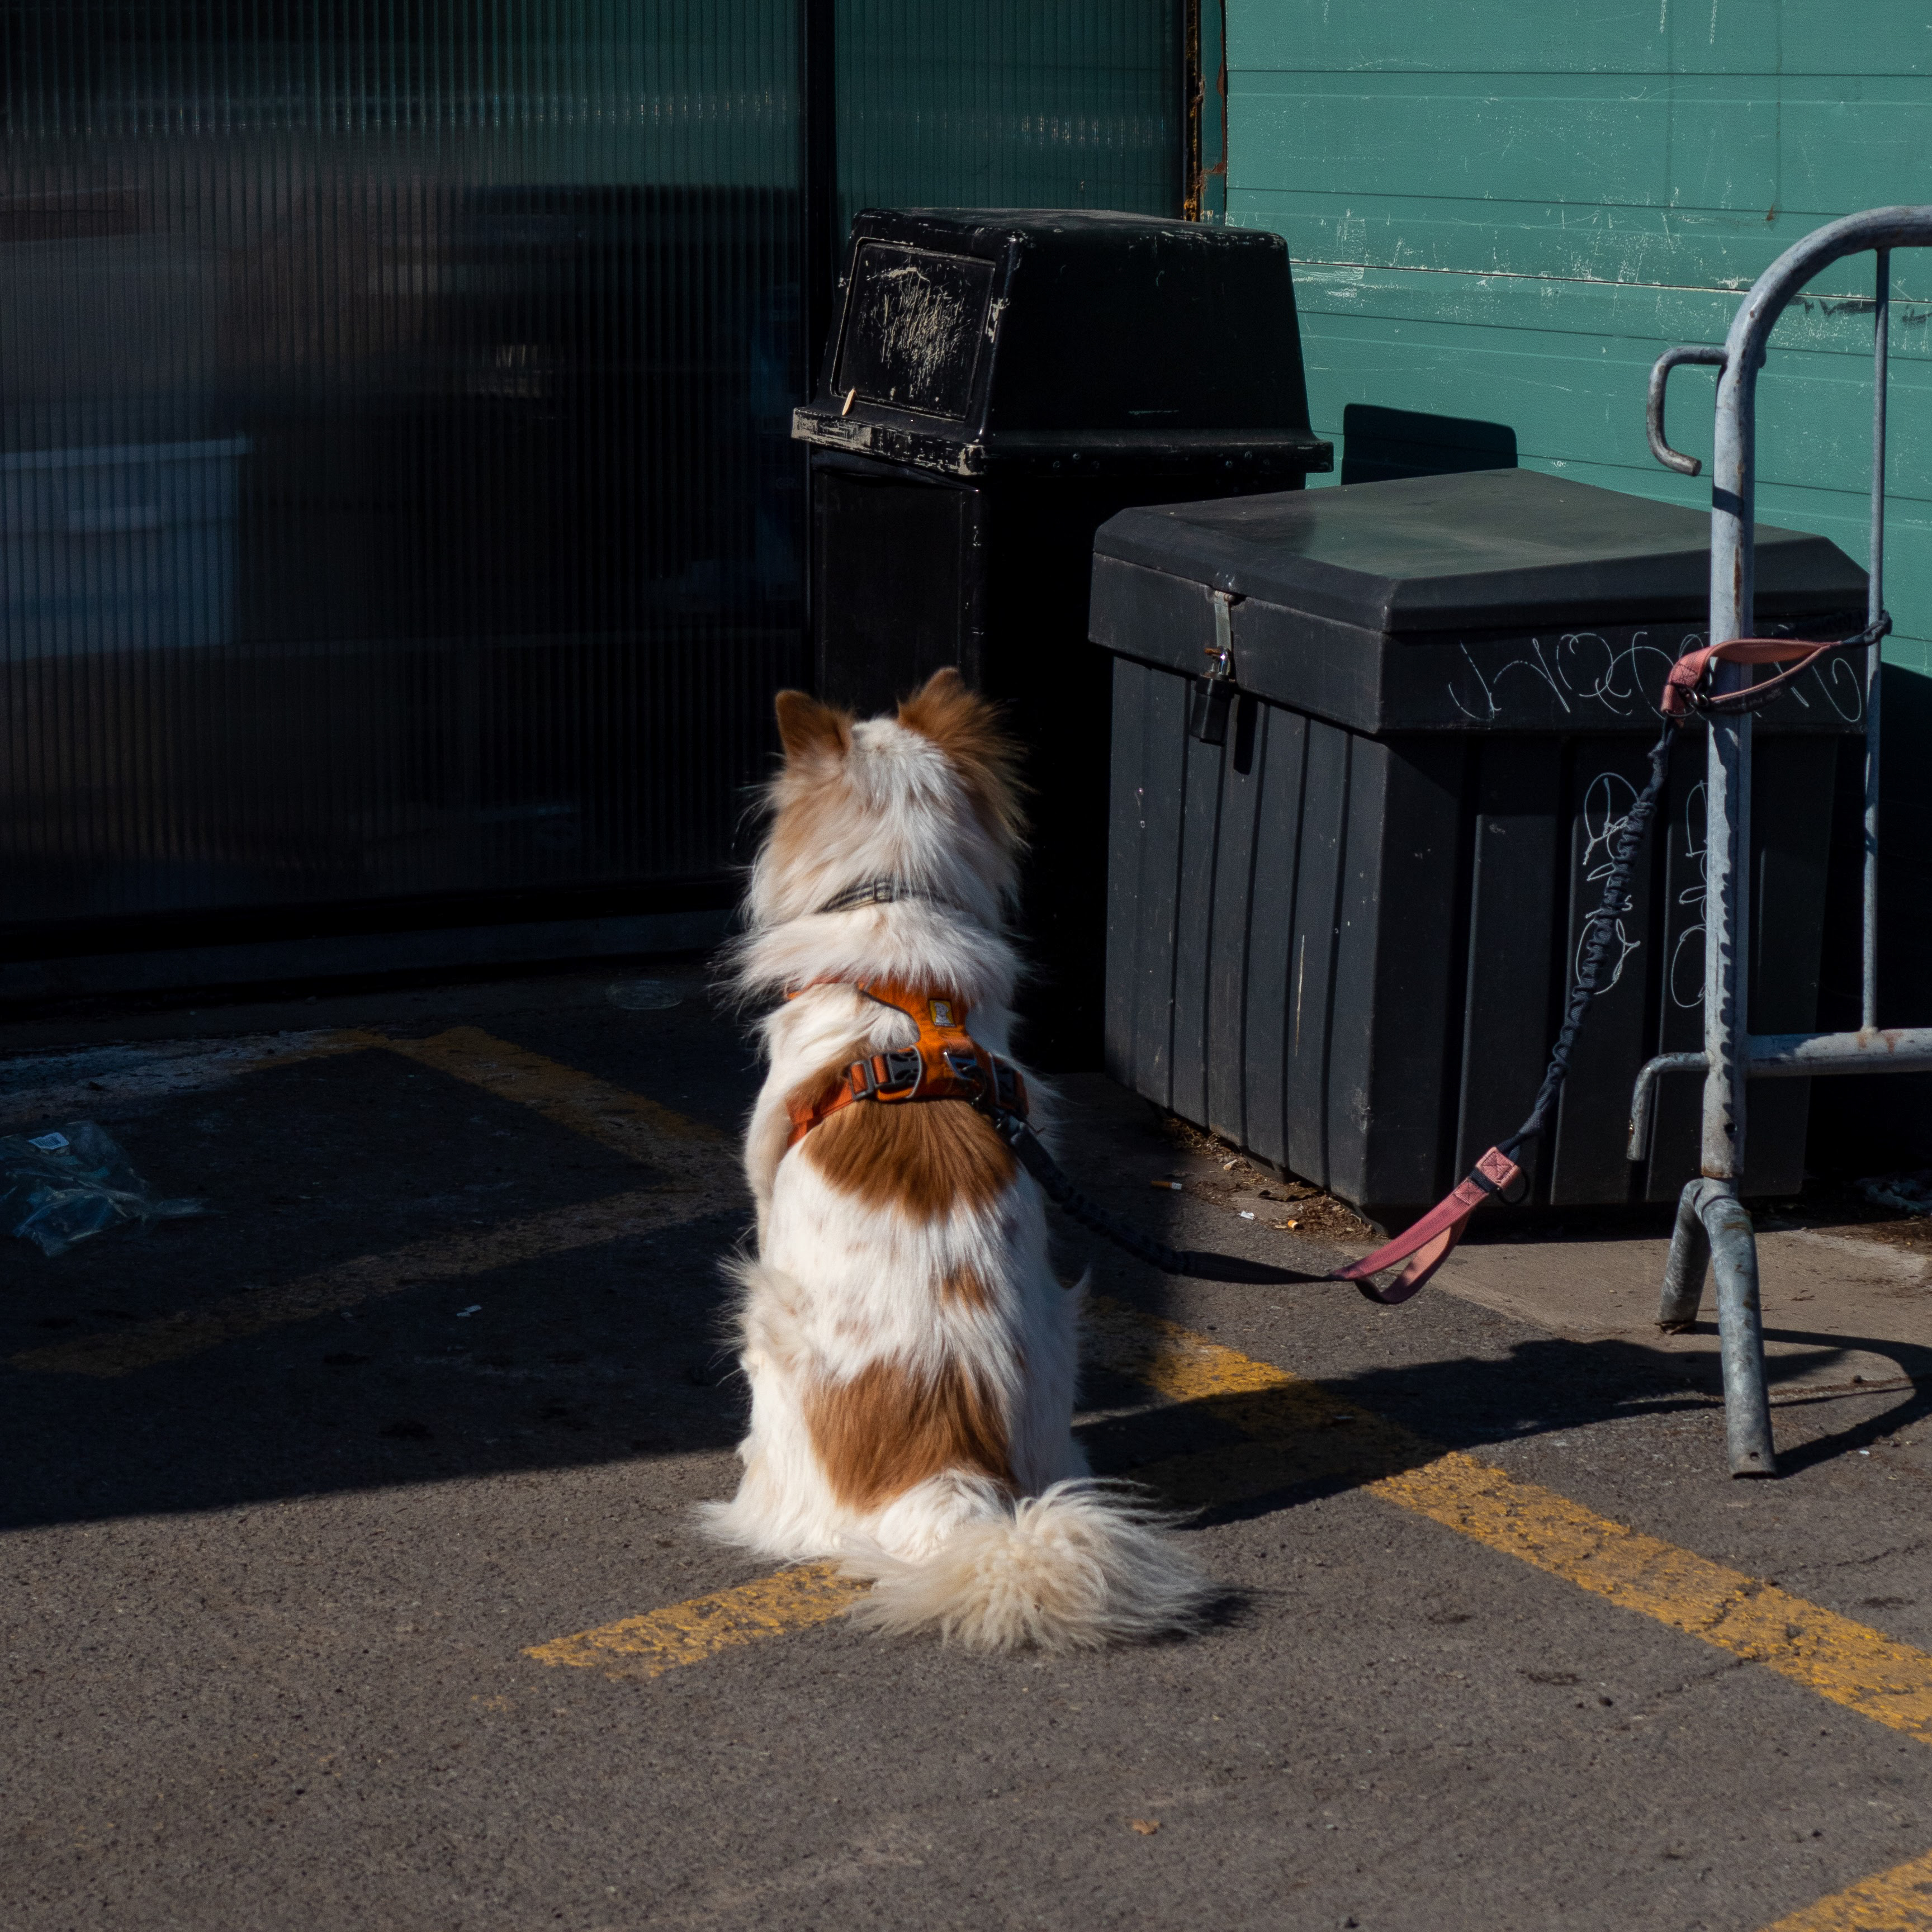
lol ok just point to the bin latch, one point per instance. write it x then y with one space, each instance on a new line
1215 691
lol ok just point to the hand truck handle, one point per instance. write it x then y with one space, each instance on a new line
1660 379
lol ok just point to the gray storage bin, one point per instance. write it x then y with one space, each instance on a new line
1342 936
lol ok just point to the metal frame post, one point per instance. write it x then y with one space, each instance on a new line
1874 607
1713 1225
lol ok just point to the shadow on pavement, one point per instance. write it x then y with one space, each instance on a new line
611 1353
614 1352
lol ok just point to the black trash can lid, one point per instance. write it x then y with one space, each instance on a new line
1066 342
1493 550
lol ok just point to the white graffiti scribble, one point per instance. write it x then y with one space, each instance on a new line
1607 806
1537 665
1626 679
1620 678
1841 675
1690 940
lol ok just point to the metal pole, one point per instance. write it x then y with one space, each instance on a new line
1727 770
1874 605
1689 1262
1740 1332
1727 926
1729 1052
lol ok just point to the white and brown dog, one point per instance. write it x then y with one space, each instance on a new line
910 1355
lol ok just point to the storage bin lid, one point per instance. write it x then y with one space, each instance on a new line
1489 549
1504 599
1065 342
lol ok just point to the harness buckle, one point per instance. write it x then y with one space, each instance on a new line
936 1068
894 1075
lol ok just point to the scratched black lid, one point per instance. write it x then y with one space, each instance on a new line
1505 599
1069 343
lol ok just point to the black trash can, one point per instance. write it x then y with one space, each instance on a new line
997 385
1349 872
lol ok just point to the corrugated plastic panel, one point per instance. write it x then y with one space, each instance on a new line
396 493
396 496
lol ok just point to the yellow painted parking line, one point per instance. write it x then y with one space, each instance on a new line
576 1100
1300 1430
1174 1361
348 1284
702 1176
648 1646
1846 1661
1849 1663
796 1600
693 1154
1898 1900
631 1124
78 1085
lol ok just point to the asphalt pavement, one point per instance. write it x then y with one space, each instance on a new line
350 1580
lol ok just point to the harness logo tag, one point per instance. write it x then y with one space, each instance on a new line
942 1012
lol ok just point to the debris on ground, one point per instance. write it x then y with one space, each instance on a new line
1874 1209
61 1187
1912 1192
1292 1206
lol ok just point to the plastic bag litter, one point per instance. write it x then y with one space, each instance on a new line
1912 1192
59 1187
644 996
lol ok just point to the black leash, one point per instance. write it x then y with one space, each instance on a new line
1058 1187
1616 889
1601 933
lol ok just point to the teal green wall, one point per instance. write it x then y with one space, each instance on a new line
1505 208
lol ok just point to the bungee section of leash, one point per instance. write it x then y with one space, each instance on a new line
1059 1188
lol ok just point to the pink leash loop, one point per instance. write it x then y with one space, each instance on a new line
1687 674
1430 1242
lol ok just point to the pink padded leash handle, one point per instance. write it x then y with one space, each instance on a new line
1430 1242
1684 688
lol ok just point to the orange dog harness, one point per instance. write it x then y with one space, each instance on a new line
944 1063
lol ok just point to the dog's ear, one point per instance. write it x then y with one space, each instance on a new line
807 728
967 728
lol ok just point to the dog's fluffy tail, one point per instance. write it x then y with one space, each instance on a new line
1082 1564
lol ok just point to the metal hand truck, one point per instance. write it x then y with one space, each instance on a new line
1713 1230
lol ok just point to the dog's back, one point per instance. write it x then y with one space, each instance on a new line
910 1355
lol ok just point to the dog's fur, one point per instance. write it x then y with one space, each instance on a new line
910 1354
